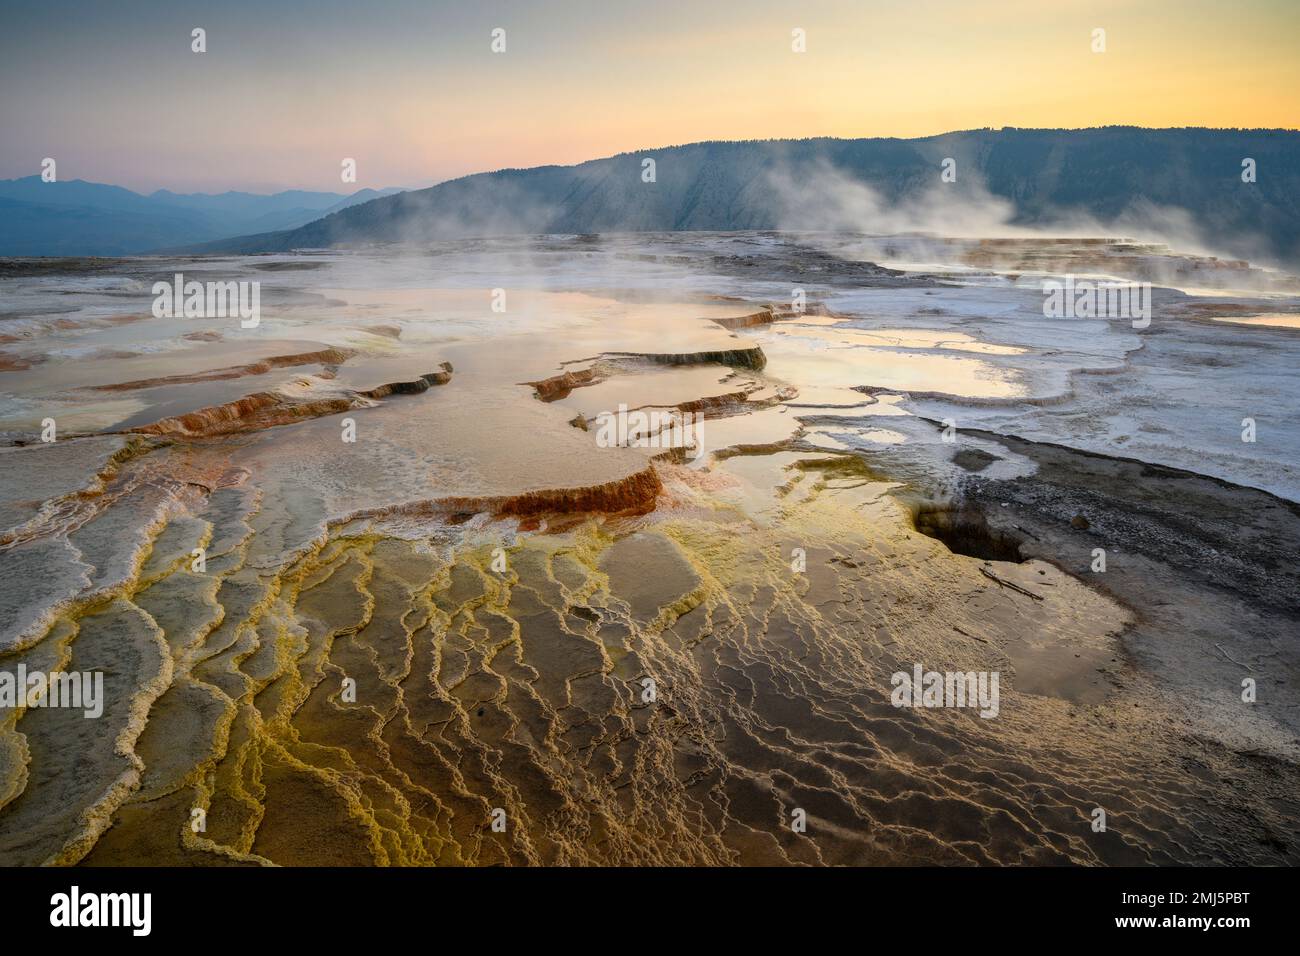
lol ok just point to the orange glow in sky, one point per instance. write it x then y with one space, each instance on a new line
413 92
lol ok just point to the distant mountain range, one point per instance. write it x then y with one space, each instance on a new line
77 218
1182 184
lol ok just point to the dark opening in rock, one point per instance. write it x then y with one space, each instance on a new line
966 531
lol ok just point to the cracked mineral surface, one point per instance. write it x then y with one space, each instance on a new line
367 584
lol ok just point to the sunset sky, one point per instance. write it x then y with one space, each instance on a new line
411 90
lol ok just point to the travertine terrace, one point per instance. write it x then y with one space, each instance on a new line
467 604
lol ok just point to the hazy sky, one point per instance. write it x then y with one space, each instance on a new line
412 91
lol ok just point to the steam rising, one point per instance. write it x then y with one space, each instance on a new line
817 196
